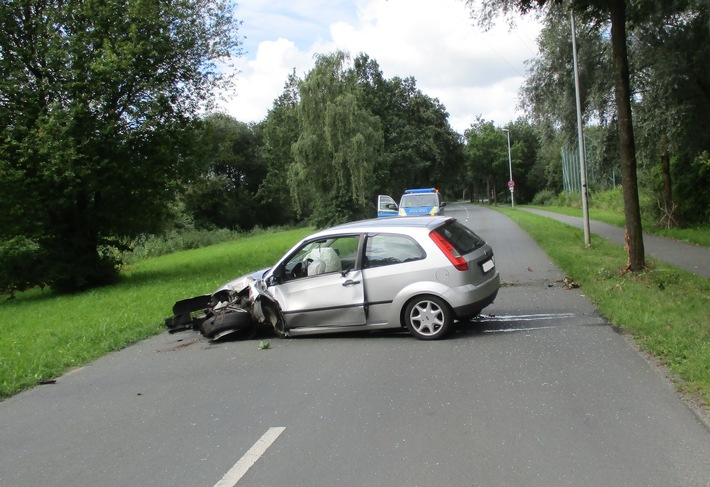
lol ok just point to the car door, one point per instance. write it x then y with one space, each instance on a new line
386 206
321 287
392 262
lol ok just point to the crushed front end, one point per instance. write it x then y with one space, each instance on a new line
236 307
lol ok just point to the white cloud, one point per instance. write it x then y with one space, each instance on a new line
470 71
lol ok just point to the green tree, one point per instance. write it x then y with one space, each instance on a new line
669 74
97 103
279 132
548 96
528 172
339 144
224 196
615 12
671 61
486 159
420 147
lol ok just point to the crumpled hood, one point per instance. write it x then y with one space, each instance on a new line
241 283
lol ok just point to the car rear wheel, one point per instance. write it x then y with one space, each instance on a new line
428 317
229 322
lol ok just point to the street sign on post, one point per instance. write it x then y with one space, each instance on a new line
511 184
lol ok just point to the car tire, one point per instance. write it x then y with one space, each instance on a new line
273 317
226 321
428 317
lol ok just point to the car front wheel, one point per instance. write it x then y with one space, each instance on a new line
428 317
237 324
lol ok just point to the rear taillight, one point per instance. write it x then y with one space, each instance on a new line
449 251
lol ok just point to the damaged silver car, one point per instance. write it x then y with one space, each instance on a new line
421 274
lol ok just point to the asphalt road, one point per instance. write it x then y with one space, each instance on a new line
539 392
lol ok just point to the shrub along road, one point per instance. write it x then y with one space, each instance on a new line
539 392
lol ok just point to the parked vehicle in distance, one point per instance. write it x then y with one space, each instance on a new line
386 207
414 202
419 273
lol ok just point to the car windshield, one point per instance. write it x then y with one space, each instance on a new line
423 199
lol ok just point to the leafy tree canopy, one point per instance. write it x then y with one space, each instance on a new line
338 146
97 99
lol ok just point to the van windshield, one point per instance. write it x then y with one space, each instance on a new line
422 199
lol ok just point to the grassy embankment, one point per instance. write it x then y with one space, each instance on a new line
43 335
666 310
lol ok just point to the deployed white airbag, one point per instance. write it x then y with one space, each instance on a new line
329 257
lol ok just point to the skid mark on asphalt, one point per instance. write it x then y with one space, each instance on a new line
526 317
492 323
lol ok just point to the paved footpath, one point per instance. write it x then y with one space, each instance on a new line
693 258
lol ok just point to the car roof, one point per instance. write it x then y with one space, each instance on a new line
385 224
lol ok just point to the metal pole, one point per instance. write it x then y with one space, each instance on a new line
510 168
580 136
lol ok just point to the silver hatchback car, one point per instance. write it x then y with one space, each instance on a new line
418 273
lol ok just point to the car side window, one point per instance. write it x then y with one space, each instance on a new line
346 248
323 256
386 249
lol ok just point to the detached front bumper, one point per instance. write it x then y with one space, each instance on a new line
235 307
188 314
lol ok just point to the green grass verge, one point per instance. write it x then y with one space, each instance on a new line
698 235
665 309
42 335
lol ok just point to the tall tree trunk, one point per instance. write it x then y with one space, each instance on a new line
622 91
489 196
668 218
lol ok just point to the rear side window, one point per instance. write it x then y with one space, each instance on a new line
391 249
460 237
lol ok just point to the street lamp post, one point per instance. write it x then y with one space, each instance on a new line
511 183
580 135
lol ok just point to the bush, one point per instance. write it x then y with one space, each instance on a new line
544 197
20 264
147 246
612 199
547 197
571 200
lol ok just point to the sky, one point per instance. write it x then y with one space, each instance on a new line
471 72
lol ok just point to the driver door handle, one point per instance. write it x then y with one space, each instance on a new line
350 282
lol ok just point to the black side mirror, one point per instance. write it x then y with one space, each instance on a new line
277 276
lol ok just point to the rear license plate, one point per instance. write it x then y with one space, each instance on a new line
487 265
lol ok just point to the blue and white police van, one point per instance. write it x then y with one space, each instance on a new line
414 202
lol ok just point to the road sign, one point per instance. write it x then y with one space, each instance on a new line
511 184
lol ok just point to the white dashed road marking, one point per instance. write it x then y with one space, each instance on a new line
231 478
